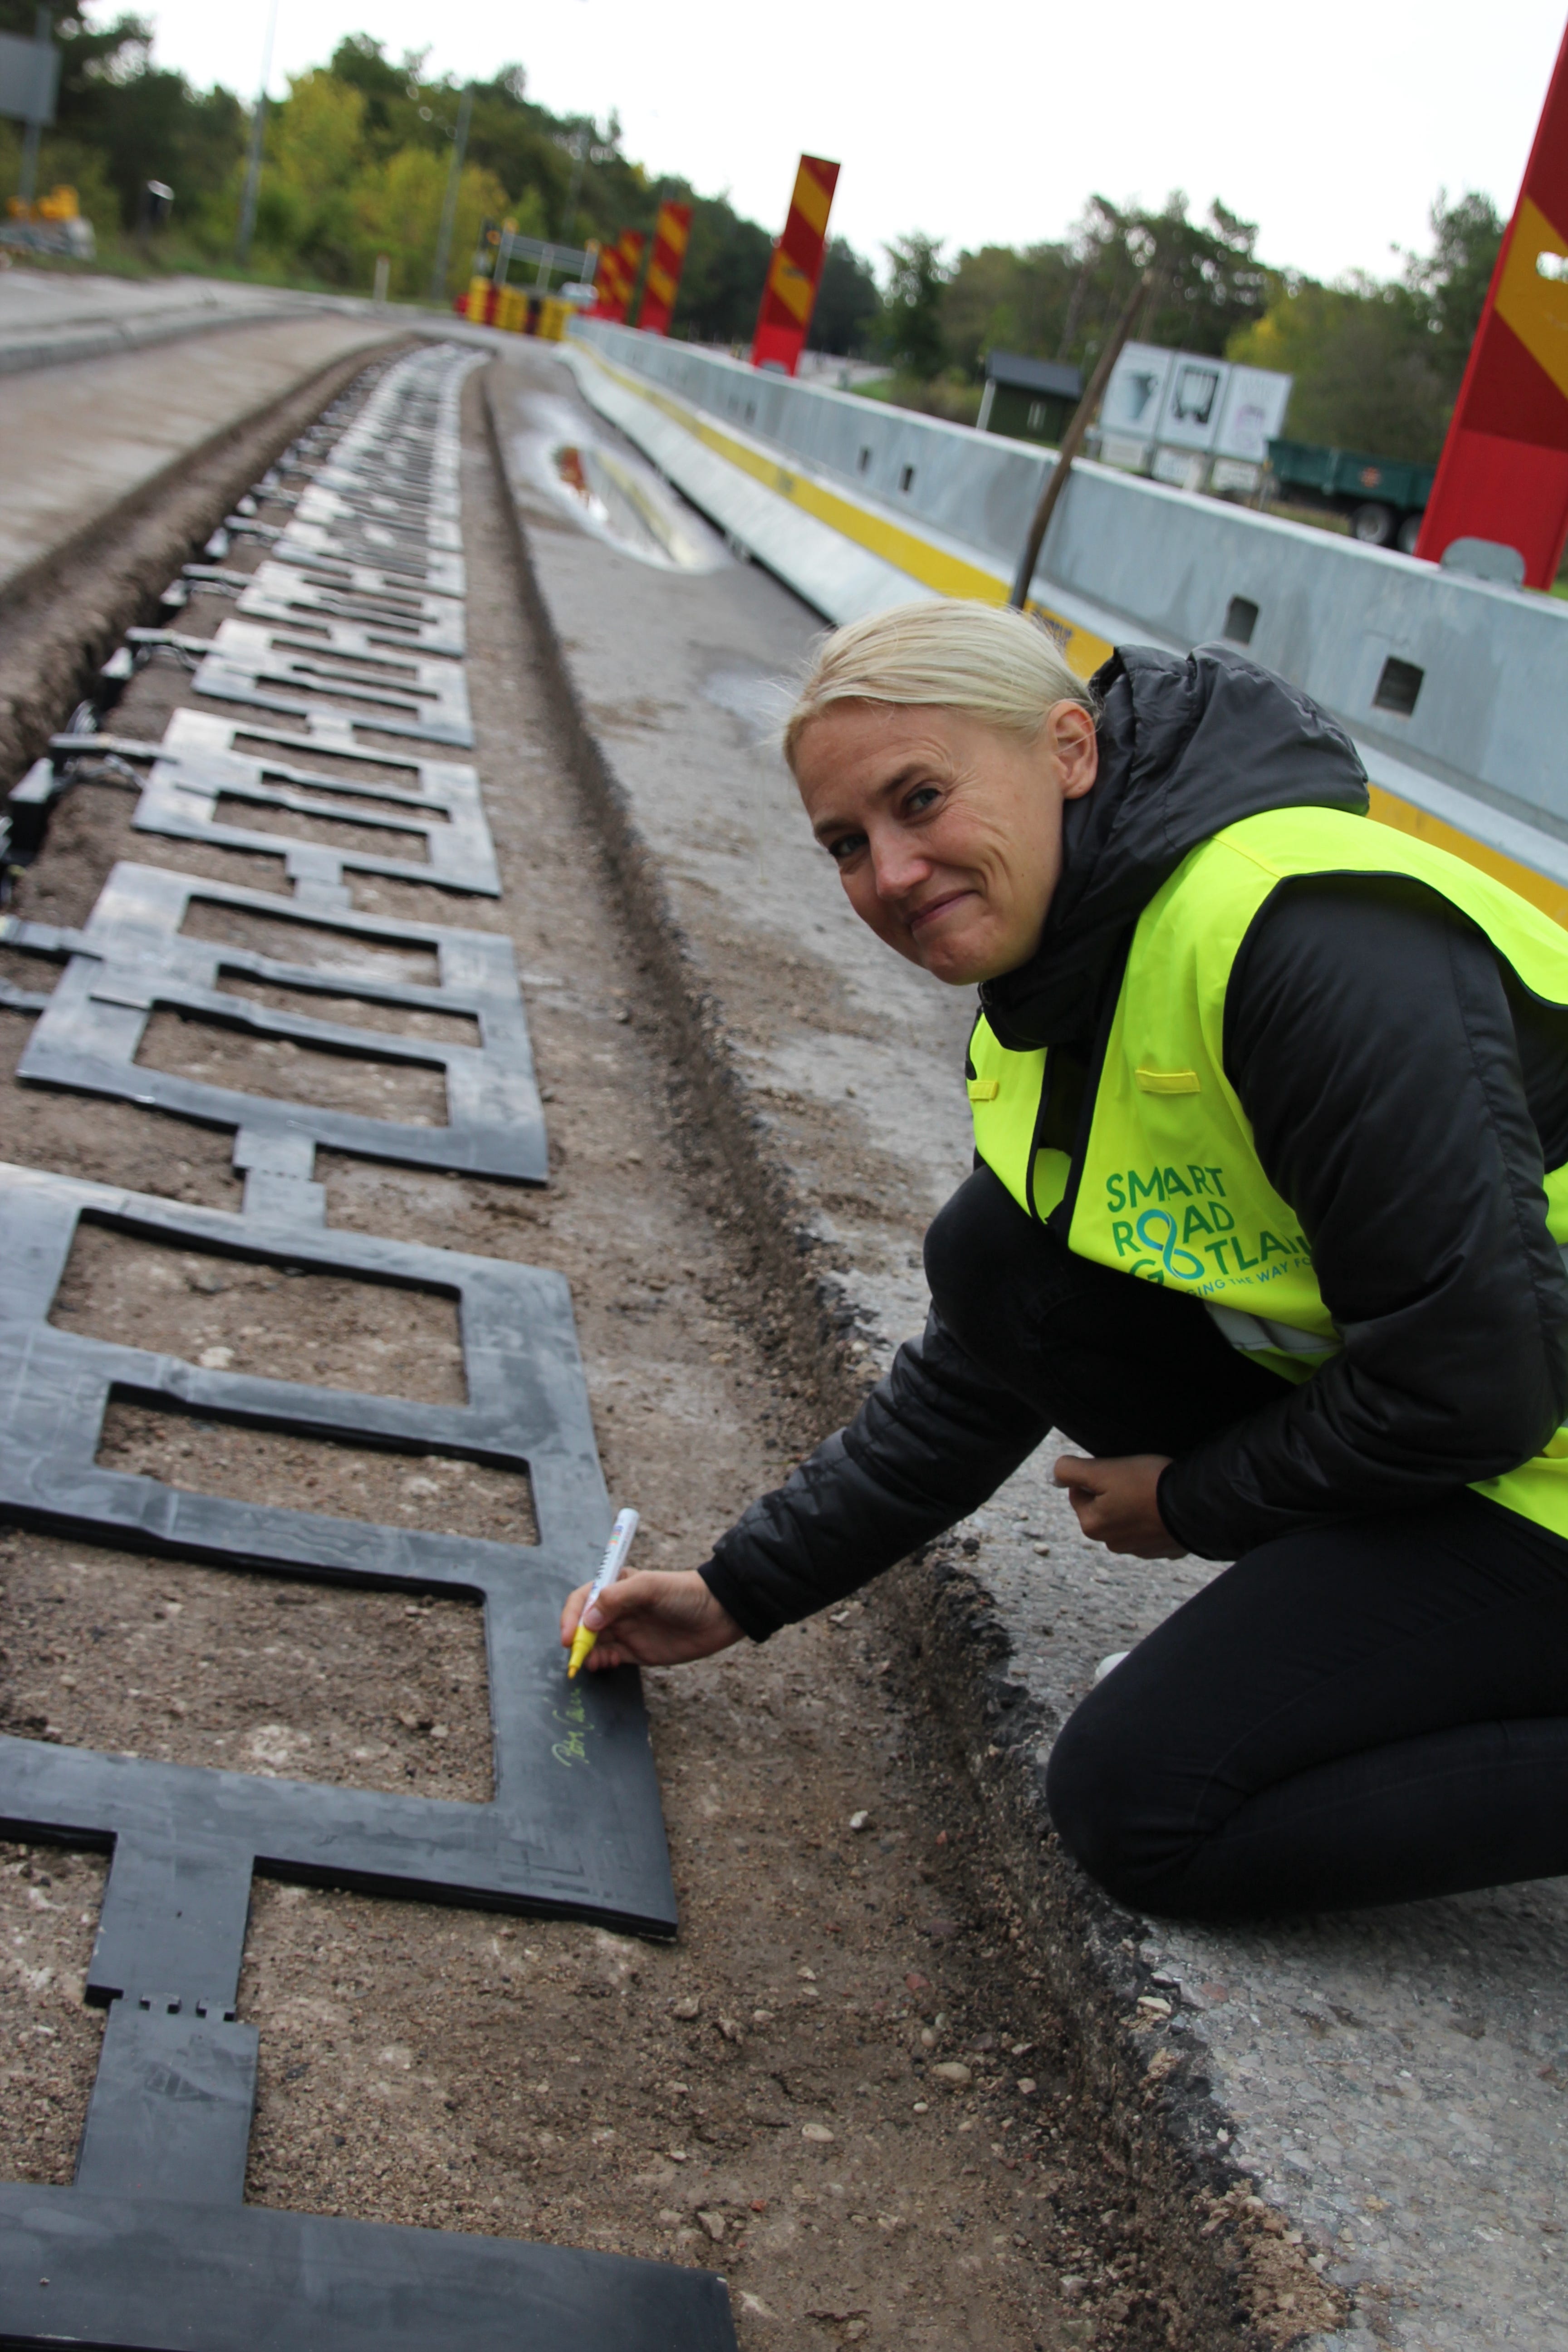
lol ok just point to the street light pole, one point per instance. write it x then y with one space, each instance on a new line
450 209
253 161
579 157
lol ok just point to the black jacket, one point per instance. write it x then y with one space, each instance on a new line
1405 1094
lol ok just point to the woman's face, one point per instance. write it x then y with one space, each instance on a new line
947 834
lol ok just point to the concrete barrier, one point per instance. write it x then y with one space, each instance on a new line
1455 689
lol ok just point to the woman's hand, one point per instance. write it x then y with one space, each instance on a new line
655 1617
1115 1503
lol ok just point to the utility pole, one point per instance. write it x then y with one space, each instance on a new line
253 161
43 26
450 209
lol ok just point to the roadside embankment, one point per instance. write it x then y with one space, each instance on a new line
55 317
1341 2132
111 471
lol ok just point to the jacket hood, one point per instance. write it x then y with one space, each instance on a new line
1188 744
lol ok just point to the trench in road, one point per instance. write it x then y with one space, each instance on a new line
762 2096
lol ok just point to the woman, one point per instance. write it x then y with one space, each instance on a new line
1265 1095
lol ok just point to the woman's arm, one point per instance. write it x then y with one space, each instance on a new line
931 1441
935 1437
1368 1037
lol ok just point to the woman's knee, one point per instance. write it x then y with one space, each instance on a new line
1105 1792
972 1249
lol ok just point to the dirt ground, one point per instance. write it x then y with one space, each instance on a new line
837 2086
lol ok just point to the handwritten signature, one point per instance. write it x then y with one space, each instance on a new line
574 1748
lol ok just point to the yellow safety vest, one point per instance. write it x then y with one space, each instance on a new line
1170 1187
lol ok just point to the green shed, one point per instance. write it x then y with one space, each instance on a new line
1029 400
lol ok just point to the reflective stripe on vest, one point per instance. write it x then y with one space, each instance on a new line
1254 1332
1168 1186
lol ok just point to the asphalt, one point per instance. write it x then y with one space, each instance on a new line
1388 2086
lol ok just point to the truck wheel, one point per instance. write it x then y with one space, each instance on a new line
1409 532
1373 524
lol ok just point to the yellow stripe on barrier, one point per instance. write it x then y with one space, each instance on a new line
1551 898
811 200
1536 308
932 566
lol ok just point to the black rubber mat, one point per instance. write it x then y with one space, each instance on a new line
131 958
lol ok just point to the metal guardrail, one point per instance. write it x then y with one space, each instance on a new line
1455 689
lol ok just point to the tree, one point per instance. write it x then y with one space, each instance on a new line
121 121
847 302
1002 300
156 127
351 157
90 56
910 329
1378 367
397 212
313 158
726 266
1364 378
362 63
1453 279
1061 299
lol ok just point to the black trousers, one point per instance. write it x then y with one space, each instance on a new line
1368 1711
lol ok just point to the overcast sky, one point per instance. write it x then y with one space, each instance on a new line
1333 127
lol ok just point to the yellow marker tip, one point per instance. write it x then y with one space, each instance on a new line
581 1643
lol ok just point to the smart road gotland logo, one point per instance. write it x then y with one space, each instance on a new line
1190 1237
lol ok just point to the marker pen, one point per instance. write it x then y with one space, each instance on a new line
610 1567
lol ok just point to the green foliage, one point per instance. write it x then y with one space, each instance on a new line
1378 368
61 161
362 64
122 123
1002 300
910 329
726 263
335 195
91 54
1061 300
848 303
1450 285
1364 377
950 395
356 164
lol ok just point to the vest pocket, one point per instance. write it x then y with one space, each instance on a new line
1169 1082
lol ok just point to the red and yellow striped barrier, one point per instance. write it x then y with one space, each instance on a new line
794 272
1504 473
672 232
618 276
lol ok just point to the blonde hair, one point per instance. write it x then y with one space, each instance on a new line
1001 665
